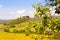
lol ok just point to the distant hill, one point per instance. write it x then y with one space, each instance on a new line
4 21
23 19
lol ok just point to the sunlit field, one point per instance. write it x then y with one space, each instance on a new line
11 36
8 36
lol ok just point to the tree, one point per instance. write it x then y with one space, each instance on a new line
54 3
43 12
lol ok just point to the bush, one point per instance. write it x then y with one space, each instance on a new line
57 36
21 31
12 26
6 29
18 31
27 34
15 31
42 30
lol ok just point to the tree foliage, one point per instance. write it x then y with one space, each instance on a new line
54 3
42 12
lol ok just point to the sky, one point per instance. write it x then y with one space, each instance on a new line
12 9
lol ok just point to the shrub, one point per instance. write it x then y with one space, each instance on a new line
15 31
21 31
12 26
27 34
57 36
6 29
41 30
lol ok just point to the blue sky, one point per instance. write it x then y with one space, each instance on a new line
11 9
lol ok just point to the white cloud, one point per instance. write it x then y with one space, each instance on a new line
56 14
31 14
20 11
1 6
17 13
12 12
53 12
